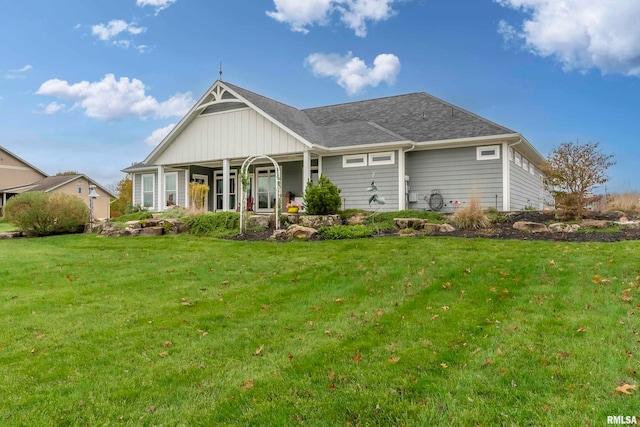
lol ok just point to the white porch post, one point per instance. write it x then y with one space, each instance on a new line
306 169
226 176
402 197
506 178
161 195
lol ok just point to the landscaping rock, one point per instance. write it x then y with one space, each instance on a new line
317 221
446 228
357 219
133 224
431 228
290 218
299 232
628 225
560 227
279 235
596 223
258 222
414 223
175 226
10 235
152 231
532 227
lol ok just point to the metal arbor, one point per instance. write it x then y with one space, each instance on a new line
244 181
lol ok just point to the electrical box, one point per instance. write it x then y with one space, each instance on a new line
413 197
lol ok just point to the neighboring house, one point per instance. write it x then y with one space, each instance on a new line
416 144
74 185
14 172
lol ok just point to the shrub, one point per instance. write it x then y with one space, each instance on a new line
176 212
44 214
471 216
338 232
628 203
322 198
214 224
495 216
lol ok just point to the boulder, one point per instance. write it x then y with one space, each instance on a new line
175 226
299 232
413 223
279 235
596 223
357 219
532 227
290 218
560 227
431 228
10 235
446 228
317 221
133 224
626 225
257 222
152 231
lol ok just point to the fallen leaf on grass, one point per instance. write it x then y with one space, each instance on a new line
444 365
357 357
290 356
487 362
434 317
248 384
259 350
151 408
445 308
164 354
338 300
331 375
168 344
552 262
625 388
581 329
394 360
447 285
203 333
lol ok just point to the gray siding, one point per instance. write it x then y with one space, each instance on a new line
137 189
526 189
353 183
458 176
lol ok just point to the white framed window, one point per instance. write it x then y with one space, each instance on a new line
171 188
386 158
525 164
532 169
511 154
148 191
488 152
518 159
354 160
266 188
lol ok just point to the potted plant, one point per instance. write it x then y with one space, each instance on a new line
293 206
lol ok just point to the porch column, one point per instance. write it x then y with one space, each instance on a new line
226 177
161 202
306 169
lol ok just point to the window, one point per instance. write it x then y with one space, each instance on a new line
148 191
354 160
266 188
489 152
219 190
387 158
511 154
532 169
79 189
171 188
518 159
525 164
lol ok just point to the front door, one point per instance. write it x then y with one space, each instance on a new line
266 188
219 190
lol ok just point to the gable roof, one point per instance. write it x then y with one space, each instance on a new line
23 161
412 118
51 183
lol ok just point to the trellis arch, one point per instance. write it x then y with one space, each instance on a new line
244 180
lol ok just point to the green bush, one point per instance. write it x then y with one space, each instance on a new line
43 214
214 224
338 232
322 198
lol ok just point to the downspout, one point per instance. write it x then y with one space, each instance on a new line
402 173
506 181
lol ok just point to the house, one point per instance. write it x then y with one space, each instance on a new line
426 154
15 171
17 176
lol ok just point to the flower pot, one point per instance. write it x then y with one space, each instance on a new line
292 209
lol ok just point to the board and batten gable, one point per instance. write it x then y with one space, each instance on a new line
457 174
228 135
354 181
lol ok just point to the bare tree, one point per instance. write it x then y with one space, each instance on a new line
572 172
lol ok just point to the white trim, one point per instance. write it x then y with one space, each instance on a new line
231 191
306 169
518 159
402 182
506 178
348 160
153 191
161 195
483 152
390 161
175 200
187 173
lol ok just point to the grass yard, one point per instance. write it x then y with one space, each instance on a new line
184 331
5 227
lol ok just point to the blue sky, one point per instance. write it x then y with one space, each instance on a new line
92 85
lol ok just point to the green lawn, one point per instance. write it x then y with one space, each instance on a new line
184 331
5 226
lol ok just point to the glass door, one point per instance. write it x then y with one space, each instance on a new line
266 188
219 190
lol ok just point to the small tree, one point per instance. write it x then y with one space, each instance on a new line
124 190
322 198
572 172
198 196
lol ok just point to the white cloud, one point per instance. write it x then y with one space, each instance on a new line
53 108
158 135
160 5
580 34
18 73
115 29
352 73
111 99
354 13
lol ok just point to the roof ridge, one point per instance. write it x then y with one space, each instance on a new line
362 100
